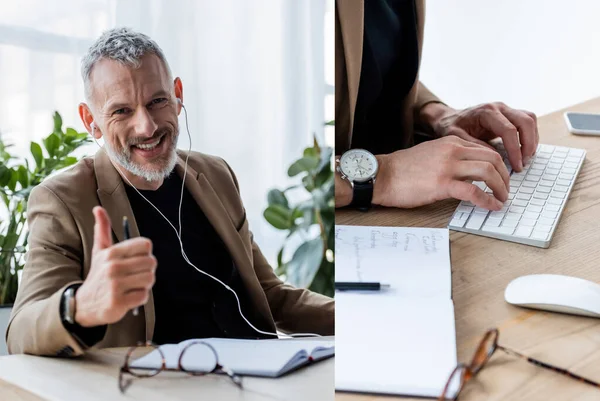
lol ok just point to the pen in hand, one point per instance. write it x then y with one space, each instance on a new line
126 236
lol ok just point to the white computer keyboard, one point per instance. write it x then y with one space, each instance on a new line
537 198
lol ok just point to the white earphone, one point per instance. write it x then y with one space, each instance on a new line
178 232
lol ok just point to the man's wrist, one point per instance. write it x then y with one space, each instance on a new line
432 113
378 190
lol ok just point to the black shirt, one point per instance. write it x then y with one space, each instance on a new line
187 303
389 69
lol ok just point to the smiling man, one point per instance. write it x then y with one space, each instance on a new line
83 278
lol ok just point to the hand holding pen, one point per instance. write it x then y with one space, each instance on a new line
120 279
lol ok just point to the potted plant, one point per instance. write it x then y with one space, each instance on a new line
17 179
311 220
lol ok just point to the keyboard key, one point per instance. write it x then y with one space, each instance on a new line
558 194
513 216
537 202
480 210
546 183
539 235
561 188
552 208
556 166
534 208
492 222
553 170
568 170
550 214
565 176
555 201
457 223
528 222
516 209
464 209
576 152
510 223
511 196
535 172
540 195
475 221
526 190
520 202
523 196
523 231
532 178
546 221
550 177
543 228
531 215
572 159
499 230
544 190
570 165
497 215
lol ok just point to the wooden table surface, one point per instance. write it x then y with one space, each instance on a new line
94 377
482 268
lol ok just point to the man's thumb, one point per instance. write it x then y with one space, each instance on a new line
102 230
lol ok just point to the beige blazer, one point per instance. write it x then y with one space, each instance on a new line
61 227
349 30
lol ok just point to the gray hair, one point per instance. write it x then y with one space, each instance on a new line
123 45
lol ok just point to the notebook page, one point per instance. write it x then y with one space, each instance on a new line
244 357
387 344
414 261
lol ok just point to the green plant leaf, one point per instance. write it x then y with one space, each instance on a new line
69 160
14 177
276 197
331 123
303 266
308 183
279 217
71 133
57 122
280 257
23 176
301 165
51 143
311 152
36 151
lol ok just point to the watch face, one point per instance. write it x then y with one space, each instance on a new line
358 165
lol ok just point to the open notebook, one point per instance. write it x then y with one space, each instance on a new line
399 340
270 358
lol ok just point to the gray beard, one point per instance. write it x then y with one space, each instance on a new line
124 159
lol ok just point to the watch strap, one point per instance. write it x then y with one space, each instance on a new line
362 195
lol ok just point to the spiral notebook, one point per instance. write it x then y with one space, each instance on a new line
400 340
267 358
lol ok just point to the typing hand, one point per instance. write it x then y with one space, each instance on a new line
120 276
479 124
440 169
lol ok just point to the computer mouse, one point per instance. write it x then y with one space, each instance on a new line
555 293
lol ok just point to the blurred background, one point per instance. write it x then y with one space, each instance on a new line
530 54
257 77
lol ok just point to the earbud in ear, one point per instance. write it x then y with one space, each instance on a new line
93 125
179 101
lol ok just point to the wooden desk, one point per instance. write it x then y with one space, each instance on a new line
94 378
483 267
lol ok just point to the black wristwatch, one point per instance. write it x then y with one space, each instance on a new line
359 167
67 305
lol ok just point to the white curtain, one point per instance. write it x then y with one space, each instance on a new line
254 77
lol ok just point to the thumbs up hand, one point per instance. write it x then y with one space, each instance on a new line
120 278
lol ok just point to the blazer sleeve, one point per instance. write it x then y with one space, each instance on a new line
294 310
53 263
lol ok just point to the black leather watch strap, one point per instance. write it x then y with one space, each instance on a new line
362 195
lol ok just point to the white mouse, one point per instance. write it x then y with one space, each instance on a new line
555 293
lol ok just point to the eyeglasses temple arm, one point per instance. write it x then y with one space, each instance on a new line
549 367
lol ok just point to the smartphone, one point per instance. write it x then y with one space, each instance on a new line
583 123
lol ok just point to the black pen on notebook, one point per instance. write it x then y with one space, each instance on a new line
126 236
360 286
